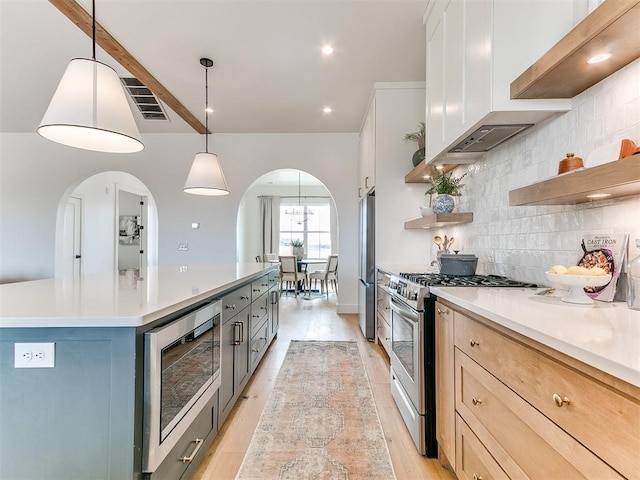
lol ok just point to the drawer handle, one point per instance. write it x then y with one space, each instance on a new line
477 477
475 400
263 308
473 343
243 297
255 316
442 312
255 350
198 443
387 339
560 401
230 307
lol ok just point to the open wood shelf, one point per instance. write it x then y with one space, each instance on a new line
418 174
563 72
439 220
619 178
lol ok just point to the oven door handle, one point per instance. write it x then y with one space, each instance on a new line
406 312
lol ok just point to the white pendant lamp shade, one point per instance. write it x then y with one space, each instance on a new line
205 176
90 110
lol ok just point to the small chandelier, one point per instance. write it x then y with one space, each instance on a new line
299 214
89 109
206 176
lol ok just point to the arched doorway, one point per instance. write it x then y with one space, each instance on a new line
106 222
263 226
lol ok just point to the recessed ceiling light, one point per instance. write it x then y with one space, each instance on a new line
327 50
601 57
599 195
327 110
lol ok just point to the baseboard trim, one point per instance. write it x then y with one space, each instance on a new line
346 308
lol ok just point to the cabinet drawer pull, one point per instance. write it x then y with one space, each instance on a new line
244 297
560 401
477 477
473 343
442 312
263 308
255 316
230 307
476 400
256 289
255 350
198 443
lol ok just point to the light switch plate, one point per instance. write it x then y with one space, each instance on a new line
34 355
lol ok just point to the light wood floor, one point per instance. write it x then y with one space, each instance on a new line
315 320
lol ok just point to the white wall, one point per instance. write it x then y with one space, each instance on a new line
35 173
522 242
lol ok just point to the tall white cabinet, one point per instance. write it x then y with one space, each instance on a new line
475 49
395 109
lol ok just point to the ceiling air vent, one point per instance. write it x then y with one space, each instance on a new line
487 137
149 106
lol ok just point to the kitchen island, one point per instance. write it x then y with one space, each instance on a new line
83 418
530 386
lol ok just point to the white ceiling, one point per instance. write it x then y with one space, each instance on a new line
269 74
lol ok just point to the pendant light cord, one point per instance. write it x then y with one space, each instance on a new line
93 27
206 109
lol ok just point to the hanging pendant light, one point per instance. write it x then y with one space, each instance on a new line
206 176
89 109
299 214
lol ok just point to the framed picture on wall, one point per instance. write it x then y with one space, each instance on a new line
129 227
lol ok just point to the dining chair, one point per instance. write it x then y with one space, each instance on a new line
329 275
289 273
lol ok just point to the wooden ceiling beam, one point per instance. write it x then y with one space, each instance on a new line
83 20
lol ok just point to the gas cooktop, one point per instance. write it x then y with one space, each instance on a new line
433 279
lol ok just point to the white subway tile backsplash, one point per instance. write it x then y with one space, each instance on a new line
523 242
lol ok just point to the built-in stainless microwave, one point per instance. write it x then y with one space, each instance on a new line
181 374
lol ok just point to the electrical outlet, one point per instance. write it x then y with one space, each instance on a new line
34 355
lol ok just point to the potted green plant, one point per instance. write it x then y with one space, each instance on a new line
417 136
445 186
297 248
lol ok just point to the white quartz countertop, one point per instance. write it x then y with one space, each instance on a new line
118 300
605 335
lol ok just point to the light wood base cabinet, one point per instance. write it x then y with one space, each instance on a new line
529 410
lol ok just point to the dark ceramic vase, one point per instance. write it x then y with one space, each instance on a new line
418 157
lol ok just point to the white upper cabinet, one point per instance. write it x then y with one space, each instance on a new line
366 166
475 49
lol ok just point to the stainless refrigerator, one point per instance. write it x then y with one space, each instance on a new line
367 284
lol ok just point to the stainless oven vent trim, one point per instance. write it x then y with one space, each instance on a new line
156 448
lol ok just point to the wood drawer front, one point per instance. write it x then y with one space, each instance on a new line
473 461
384 332
525 442
259 312
259 287
234 302
382 304
605 421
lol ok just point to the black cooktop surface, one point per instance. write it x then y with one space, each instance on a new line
433 279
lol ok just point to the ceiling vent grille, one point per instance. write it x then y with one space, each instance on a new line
149 106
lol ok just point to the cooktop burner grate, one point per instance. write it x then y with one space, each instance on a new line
432 279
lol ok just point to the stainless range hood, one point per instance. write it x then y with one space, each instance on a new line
487 137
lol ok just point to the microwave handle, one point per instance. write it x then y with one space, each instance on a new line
409 314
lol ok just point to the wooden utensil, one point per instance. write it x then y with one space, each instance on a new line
438 241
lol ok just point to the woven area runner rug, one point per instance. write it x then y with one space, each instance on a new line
320 421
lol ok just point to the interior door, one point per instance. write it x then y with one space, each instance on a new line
72 248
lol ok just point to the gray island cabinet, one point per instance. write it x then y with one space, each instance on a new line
83 418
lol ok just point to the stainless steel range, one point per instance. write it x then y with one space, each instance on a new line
413 347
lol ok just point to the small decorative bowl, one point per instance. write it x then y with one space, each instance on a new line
576 284
426 211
